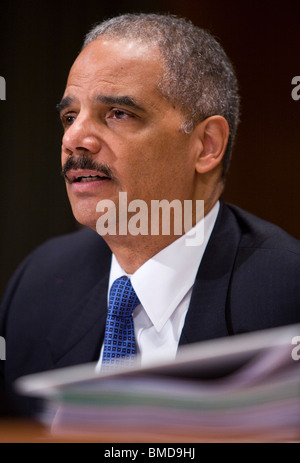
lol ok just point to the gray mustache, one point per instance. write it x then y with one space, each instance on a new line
84 162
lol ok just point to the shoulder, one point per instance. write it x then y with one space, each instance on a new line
81 251
257 233
264 287
73 262
70 246
78 250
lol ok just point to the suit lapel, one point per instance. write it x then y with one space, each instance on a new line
79 336
206 317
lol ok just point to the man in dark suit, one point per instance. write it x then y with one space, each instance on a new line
150 108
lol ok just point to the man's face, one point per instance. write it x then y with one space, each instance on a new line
121 134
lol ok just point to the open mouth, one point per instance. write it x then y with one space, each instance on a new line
89 178
84 176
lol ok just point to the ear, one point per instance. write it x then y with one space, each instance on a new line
211 137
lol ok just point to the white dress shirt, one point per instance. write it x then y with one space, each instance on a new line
164 286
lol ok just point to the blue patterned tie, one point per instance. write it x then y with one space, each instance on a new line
119 341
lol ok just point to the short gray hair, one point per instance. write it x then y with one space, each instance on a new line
198 77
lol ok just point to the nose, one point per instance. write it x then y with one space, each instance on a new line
82 135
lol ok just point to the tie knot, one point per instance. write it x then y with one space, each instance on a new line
122 298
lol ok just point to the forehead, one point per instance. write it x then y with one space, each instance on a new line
117 63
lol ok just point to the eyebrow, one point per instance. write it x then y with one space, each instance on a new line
105 99
65 103
119 100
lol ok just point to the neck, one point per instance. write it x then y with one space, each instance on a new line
132 251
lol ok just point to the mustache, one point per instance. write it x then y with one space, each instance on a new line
85 162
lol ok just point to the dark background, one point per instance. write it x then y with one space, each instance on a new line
39 41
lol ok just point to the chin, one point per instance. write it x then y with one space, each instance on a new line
86 222
85 217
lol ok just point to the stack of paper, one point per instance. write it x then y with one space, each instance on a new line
247 385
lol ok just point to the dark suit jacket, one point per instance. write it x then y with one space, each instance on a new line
53 313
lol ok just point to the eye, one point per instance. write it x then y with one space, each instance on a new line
67 120
119 114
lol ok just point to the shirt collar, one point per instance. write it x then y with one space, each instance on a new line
163 281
